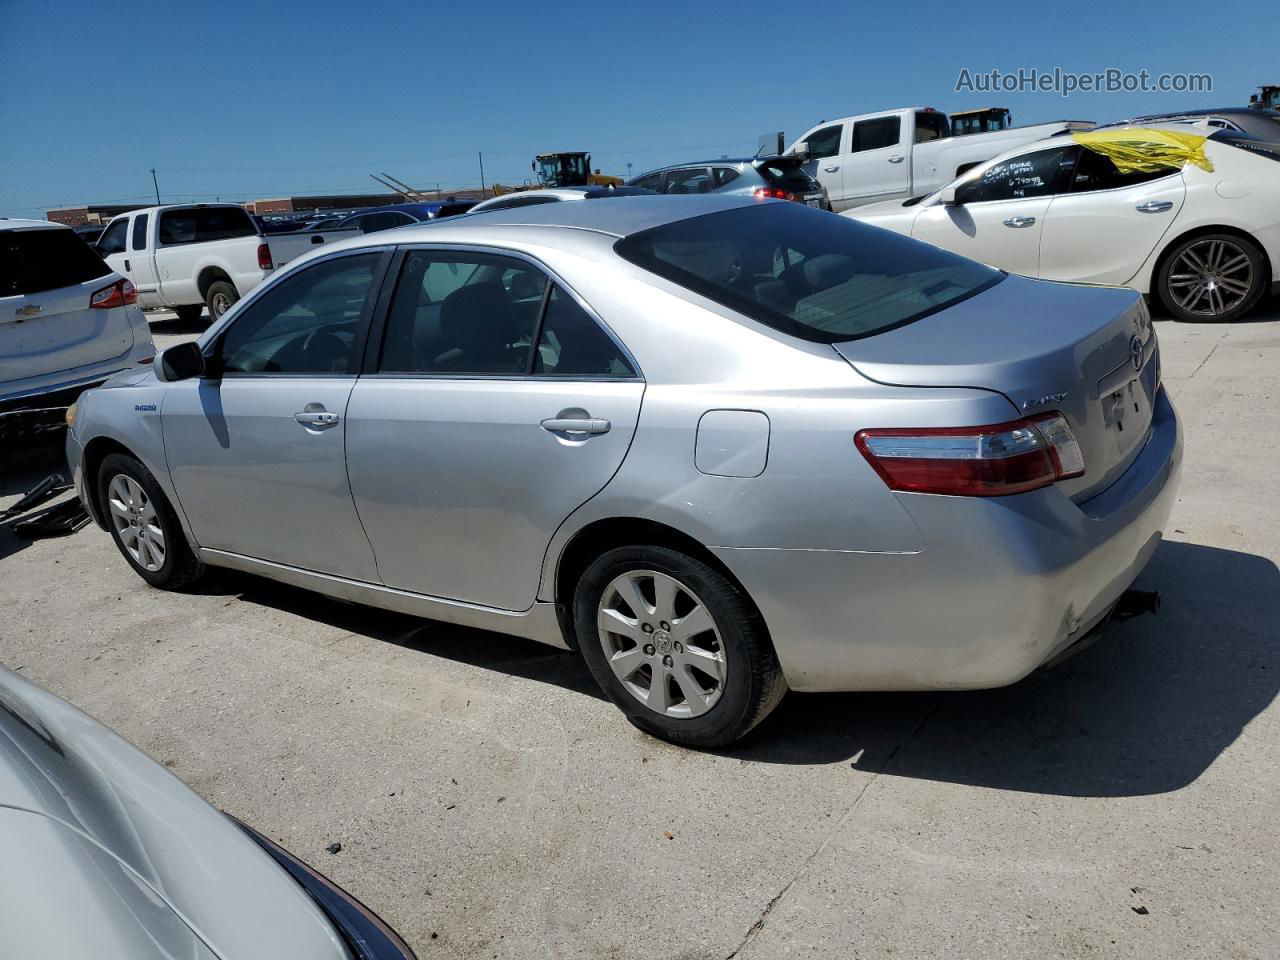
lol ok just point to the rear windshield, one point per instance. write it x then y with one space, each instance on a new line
33 261
202 224
787 172
808 273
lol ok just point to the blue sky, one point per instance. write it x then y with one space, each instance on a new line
242 100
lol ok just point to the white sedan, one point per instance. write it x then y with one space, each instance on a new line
1207 243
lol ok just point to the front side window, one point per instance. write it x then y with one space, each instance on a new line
876 134
652 182
822 278
1031 175
112 239
825 142
463 313
689 180
309 322
139 241
1094 171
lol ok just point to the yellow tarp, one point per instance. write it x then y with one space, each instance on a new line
1141 150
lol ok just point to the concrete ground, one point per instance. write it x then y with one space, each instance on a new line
491 805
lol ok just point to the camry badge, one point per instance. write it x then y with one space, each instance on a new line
1047 398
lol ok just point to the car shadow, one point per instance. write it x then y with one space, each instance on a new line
171 326
1145 710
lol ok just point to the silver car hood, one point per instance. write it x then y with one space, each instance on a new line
97 833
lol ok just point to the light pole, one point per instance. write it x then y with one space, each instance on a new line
628 170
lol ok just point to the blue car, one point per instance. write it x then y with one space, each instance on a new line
400 214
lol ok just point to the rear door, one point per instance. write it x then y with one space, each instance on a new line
1000 211
47 277
1106 223
466 446
876 166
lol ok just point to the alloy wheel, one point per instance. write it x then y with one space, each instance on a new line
662 644
1211 278
134 517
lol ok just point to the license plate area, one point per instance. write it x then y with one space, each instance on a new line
1127 409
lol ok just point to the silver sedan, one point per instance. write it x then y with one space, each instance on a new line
721 447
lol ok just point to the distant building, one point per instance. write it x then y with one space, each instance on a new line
91 213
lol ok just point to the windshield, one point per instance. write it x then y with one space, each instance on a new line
564 169
805 272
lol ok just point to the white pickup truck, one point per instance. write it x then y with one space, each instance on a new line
903 153
188 256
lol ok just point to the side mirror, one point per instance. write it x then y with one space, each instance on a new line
947 197
180 362
801 150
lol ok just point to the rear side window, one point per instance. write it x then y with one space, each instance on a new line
805 272
139 241
33 261
572 344
204 224
930 126
1093 171
688 180
876 134
112 239
725 175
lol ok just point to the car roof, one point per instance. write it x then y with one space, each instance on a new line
10 223
620 217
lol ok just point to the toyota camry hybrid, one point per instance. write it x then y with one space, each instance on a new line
722 447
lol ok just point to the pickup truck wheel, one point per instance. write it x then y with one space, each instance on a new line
220 298
190 312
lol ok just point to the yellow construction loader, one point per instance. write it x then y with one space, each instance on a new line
567 169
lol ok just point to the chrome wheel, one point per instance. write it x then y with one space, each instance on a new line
136 523
1210 278
219 305
661 643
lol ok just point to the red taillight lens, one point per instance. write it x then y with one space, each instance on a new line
774 193
989 461
264 257
117 295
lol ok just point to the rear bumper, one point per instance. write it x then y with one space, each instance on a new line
53 389
1002 585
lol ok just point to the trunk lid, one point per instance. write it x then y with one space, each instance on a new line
47 276
1089 352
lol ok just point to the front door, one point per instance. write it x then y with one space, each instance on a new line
825 147
257 455
141 264
498 407
1000 212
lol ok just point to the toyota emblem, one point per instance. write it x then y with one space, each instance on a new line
1135 353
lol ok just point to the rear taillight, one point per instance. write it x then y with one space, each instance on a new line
774 193
117 295
990 461
264 257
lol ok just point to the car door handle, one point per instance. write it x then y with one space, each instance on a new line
1154 206
896 158
126 265
316 418
1020 221
587 425
832 169
30 310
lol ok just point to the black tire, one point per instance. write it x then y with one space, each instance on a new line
1174 293
181 566
753 684
190 312
220 297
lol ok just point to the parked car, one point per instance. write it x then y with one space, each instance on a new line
187 257
1254 121
1206 243
67 321
861 462
778 178
92 825
529 198
403 214
903 153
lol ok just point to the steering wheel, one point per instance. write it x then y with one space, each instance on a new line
323 351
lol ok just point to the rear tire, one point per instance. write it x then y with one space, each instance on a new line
190 312
1212 278
220 297
695 666
143 524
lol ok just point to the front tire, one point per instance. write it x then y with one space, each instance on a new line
676 645
221 297
1213 278
143 524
